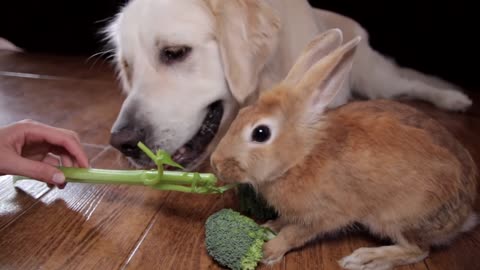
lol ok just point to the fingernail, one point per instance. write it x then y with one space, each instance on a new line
58 178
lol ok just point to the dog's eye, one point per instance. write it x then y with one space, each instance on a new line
169 55
261 134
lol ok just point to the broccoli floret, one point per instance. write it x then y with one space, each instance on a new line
253 204
234 240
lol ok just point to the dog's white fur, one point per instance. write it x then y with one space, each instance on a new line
239 48
6 45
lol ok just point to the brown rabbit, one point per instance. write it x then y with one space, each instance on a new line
380 163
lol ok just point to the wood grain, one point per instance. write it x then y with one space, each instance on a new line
66 104
33 65
180 220
91 226
17 198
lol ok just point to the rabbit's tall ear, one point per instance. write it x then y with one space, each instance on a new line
318 48
320 84
247 34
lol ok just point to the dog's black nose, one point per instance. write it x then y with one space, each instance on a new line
126 140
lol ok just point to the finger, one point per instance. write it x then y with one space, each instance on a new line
58 137
62 186
51 160
38 157
35 151
37 170
66 161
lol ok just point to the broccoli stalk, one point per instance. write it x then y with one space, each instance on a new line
190 182
234 240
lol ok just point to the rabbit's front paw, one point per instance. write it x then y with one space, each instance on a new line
274 225
273 251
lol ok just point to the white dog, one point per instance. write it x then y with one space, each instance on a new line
187 66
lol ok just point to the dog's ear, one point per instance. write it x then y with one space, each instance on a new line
247 35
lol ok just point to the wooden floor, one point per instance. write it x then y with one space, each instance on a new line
125 227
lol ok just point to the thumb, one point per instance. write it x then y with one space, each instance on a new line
39 171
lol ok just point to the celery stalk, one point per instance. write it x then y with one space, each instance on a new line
189 182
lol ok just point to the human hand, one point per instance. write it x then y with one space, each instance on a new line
32 149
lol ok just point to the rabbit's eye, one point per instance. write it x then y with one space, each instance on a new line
261 134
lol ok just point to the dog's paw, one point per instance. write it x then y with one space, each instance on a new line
366 259
273 252
453 100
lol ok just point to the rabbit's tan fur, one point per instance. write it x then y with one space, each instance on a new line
380 163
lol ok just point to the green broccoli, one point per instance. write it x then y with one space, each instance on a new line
253 204
234 240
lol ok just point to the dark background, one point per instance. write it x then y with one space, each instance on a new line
435 37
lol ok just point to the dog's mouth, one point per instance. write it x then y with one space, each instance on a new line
189 153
